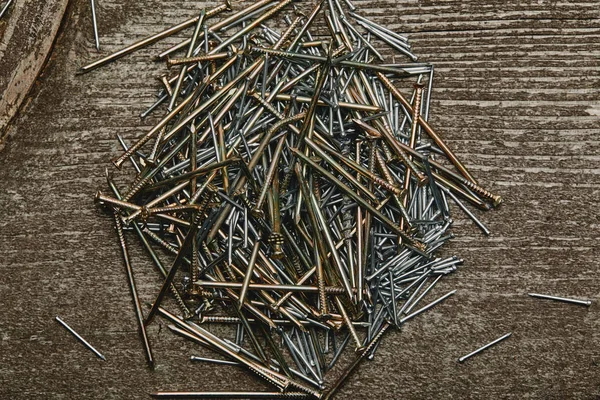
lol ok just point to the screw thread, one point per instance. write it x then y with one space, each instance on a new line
278 53
483 192
136 188
268 106
410 164
157 142
316 394
160 241
417 104
278 125
268 377
285 183
286 35
179 300
293 395
383 168
244 199
195 263
316 186
387 151
386 185
119 227
220 320
188 60
322 296
296 264
168 209
372 152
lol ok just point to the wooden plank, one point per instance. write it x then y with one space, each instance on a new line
516 94
27 32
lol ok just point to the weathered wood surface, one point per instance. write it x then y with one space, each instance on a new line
517 94
27 32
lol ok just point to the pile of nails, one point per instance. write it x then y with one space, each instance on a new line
298 195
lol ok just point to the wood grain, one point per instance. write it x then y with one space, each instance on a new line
516 95
27 33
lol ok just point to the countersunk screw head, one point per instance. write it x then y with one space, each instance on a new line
258 213
97 197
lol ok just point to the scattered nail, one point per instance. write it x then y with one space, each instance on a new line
479 350
82 340
586 303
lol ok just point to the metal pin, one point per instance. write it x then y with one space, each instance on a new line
477 222
427 307
132 286
214 361
230 395
463 358
82 340
183 71
152 39
248 275
8 3
95 23
586 303
260 148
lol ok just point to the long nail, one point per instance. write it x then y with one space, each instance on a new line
479 350
82 340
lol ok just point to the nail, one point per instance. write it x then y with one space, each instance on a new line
152 39
479 350
197 59
82 340
586 303
95 24
230 395
248 276
8 3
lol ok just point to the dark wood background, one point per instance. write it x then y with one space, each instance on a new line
517 94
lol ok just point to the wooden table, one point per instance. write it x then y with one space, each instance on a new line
516 95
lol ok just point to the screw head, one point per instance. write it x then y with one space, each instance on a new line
258 213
